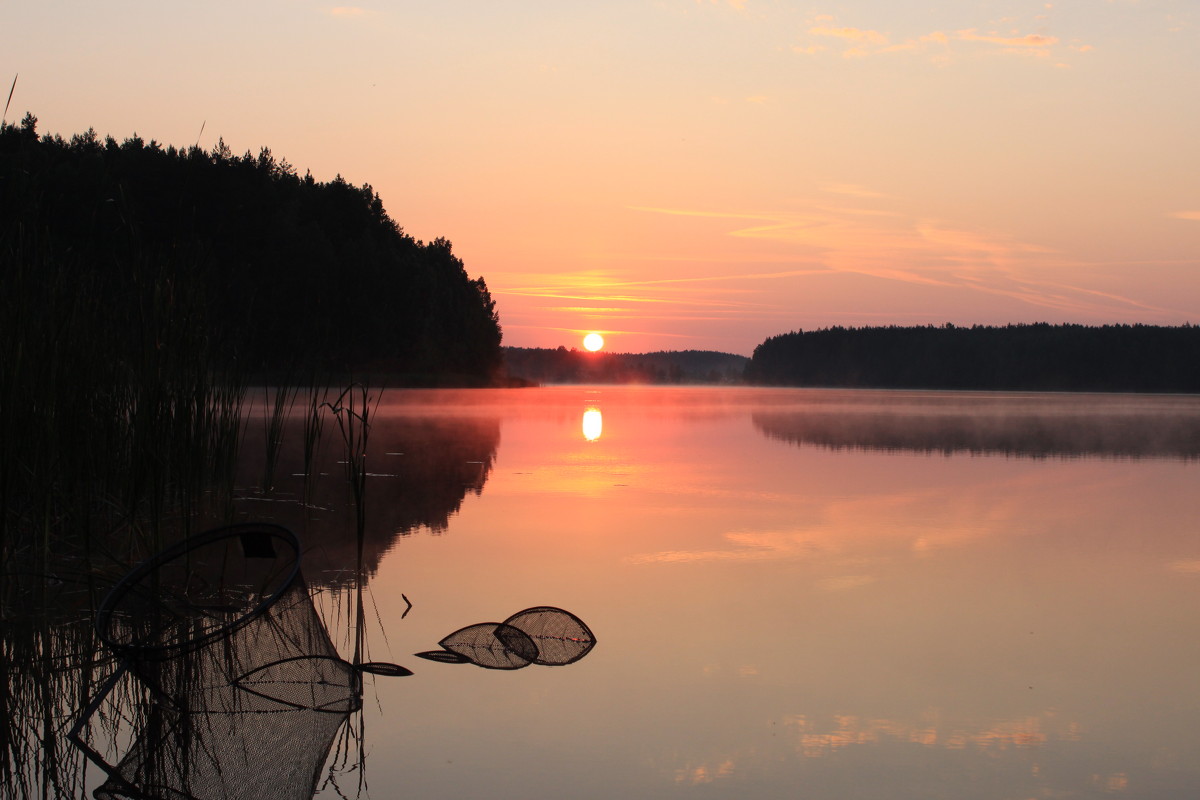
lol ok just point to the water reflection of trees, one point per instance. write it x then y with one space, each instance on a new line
419 471
1055 426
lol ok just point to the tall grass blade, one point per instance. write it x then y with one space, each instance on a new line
10 94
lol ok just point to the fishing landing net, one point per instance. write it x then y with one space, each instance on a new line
541 635
250 690
195 592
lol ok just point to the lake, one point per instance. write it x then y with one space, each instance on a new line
793 593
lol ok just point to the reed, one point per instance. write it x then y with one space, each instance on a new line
352 411
314 424
111 399
275 415
51 665
119 429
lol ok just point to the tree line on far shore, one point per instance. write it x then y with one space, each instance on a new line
1019 357
560 365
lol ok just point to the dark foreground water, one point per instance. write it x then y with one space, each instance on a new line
793 593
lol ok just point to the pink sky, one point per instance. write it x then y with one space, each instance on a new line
697 175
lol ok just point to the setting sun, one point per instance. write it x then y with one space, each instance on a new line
593 341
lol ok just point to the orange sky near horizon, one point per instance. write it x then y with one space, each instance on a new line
697 174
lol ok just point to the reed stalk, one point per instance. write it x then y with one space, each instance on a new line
314 423
282 397
352 410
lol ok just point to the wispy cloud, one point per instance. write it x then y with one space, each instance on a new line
852 34
1028 40
346 11
851 190
753 269
744 546
1190 215
925 253
862 42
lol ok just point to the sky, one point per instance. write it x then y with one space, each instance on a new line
695 174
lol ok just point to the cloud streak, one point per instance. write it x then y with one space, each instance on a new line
856 35
864 42
922 253
868 260
1028 40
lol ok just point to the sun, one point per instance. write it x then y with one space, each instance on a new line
593 341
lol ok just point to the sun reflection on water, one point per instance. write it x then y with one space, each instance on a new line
593 424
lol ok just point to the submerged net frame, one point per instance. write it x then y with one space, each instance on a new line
223 631
253 714
203 588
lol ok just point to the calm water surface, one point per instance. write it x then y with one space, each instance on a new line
794 593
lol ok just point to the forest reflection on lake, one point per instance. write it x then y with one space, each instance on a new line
1010 424
798 592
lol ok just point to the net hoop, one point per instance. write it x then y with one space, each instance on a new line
492 645
256 536
569 640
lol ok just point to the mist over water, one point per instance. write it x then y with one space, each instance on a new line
1056 425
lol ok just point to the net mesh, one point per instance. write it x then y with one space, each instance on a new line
250 691
541 635
561 637
492 645
251 715
226 757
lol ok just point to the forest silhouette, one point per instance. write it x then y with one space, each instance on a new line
274 272
1033 357
546 365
